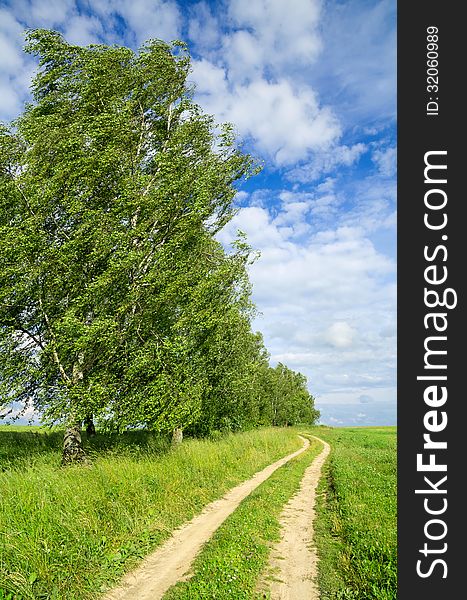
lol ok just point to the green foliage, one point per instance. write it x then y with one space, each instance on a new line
116 300
286 399
110 193
57 542
357 515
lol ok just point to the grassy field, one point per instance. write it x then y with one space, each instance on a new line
357 526
69 533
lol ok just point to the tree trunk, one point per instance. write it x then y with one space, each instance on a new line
73 452
90 428
177 436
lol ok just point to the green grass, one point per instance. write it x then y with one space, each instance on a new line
70 533
357 515
21 447
25 428
231 563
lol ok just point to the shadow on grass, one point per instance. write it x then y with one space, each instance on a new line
21 447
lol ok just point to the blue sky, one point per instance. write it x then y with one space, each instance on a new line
310 87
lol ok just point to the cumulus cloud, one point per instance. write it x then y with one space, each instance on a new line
284 123
324 299
340 335
277 36
15 68
252 79
204 28
83 30
148 18
10 31
43 13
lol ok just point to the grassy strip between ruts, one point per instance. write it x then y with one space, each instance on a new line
356 525
231 563
69 533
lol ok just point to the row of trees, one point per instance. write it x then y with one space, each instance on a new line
117 304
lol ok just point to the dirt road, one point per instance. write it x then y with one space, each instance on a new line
294 561
172 561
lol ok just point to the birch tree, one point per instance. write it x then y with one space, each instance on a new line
113 184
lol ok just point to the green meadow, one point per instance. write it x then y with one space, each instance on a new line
69 533
357 515
72 532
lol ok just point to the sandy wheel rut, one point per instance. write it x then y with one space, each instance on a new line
171 562
294 562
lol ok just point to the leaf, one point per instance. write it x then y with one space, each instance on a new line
33 577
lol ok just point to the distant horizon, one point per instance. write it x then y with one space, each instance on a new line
23 423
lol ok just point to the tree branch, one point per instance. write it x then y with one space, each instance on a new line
30 335
23 195
65 377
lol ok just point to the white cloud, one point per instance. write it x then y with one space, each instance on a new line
10 57
326 161
204 28
83 30
251 78
43 13
15 67
286 34
327 301
292 212
133 22
150 18
385 161
11 100
244 56
284 123
340 335
210 79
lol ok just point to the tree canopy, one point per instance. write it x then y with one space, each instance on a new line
116 300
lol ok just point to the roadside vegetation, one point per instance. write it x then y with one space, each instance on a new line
58 544
232 562
356 526
69 533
